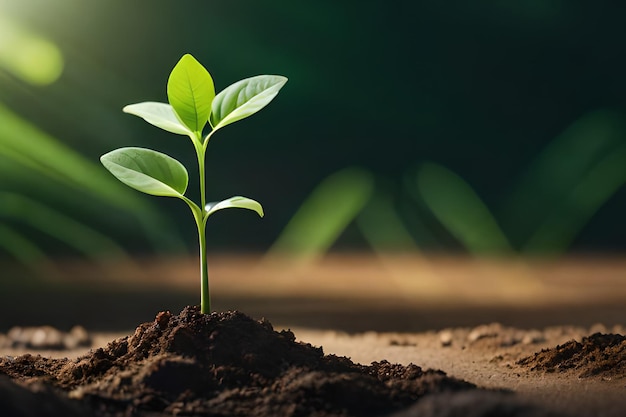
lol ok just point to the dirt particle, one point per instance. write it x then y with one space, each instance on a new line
162 319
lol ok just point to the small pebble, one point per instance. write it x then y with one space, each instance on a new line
618 329
484 330
77 337
445 337
598 328
45 337
533 336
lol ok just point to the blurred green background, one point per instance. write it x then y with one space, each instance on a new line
482 127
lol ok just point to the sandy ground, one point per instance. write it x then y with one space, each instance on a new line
431 312
487 364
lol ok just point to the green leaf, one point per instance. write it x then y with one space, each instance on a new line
161 115
147 171
235 202
190 91
244 98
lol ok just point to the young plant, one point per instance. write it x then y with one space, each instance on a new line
192 106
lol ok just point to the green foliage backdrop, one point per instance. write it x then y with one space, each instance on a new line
420 96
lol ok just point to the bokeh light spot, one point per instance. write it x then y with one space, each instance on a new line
28 56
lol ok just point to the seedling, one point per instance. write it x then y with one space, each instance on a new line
192 107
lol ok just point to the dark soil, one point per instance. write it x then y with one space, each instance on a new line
600 354
222 364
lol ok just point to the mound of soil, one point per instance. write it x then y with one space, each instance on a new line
225 364
600 354
475 404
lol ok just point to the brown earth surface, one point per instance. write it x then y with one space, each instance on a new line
560 351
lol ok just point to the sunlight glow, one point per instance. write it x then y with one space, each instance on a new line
27 55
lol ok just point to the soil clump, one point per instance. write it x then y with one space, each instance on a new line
602 355
224 364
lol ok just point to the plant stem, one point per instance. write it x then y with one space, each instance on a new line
205 298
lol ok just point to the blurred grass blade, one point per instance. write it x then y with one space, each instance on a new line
21 248
383 228
459 209
562 225
325 214
21 140
554 175
417 216
80 237
26 144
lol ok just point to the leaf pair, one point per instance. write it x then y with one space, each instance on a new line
193 103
